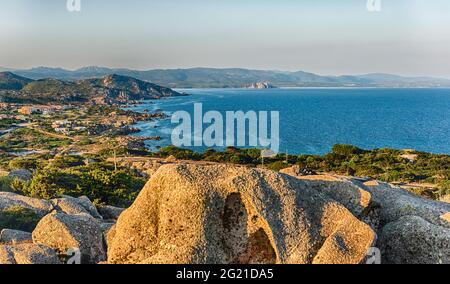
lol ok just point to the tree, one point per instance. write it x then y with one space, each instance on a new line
346 150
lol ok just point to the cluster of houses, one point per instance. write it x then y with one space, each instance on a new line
9 111
40 109
66 127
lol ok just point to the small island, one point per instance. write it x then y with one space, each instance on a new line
260 85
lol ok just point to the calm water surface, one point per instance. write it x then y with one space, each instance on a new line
312 120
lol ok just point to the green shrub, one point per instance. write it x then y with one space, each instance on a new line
277 166
346 150
25 163
5 183
18 218
99 182
444 188
63 162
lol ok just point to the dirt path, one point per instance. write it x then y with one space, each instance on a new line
59 136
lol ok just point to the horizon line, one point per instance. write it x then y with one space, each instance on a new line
6 69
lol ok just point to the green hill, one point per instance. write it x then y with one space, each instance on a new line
110 89
10 81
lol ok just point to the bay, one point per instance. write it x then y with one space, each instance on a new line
313 120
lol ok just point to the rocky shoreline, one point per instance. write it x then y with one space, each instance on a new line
214 213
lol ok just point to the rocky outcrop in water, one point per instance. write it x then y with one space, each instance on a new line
260 85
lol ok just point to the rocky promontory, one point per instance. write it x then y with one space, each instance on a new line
260 85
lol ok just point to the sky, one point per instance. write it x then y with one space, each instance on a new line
328 37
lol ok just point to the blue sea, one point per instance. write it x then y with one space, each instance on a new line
313 120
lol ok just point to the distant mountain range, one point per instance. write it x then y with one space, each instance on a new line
235 77
110 89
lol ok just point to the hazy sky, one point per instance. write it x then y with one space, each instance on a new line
409 37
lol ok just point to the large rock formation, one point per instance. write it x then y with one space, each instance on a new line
9 200
8 236
193 212
412 240
110 212
228 214
64 232
27 254
411 229
72 205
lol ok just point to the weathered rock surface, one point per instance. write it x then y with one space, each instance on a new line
230 214
412 229
207 213
63 232
395 203
413 240
89 206
27 254
445 198
353 197
68 206
110 212
8 236
21 174
9 200
72 206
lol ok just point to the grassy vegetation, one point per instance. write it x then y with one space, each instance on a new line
18 218
7 123
72 176
91 175
25 138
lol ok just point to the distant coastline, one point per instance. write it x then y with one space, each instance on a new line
234 77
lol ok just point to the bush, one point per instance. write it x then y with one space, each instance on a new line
277 166
444 188
63 162
101 183
50 183
181 154
25 163
5 184
18 218
346 150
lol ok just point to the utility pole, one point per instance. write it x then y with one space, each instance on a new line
115 160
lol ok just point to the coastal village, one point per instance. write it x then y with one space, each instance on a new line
76 123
